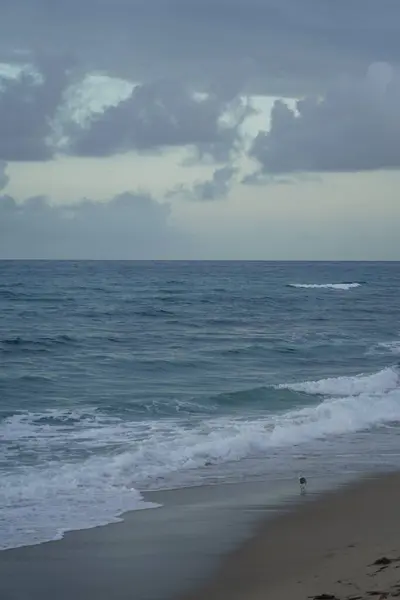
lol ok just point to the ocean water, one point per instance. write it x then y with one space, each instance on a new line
122 377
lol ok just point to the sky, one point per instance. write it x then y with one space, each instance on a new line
200 129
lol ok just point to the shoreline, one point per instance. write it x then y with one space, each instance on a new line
180 542
230 541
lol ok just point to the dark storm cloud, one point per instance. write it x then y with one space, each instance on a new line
288 46
216 188
130 226
354 127
28 105
163 114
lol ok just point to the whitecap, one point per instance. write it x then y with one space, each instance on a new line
332 286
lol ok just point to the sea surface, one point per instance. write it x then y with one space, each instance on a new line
121 377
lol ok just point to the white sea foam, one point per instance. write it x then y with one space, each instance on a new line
332 286
336 416
41 503
61 489
384 347
89 467
376 383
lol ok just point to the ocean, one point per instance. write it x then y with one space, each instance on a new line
118 378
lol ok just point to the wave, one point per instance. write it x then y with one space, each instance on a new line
16 343
380 390
47 343
56 493
155 312
332 286
392 347
89 466
251 349
261 398
34 298
381 382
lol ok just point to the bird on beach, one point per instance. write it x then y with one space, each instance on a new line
303 484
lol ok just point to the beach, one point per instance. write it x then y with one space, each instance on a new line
344 545
199 547
155 419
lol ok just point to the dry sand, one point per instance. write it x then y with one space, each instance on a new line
344 545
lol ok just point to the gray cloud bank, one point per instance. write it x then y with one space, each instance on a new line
354 127
227 48
129 226
284 45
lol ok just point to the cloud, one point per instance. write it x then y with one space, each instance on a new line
165 114
216 188
288 46
275 47
262 179
28 105
355 126
3 175
129 226
48 108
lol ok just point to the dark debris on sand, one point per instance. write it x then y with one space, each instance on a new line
383 562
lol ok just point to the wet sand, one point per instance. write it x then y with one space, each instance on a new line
344 545
150 555
224 542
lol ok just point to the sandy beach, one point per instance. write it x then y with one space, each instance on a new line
344 545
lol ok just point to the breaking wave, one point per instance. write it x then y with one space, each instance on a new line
332 286
89 467
381 382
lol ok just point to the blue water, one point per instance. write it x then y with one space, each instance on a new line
120 377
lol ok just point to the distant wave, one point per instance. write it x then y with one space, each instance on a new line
18 341
24 378
31 298
386 347
332 286
40 343
155 312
